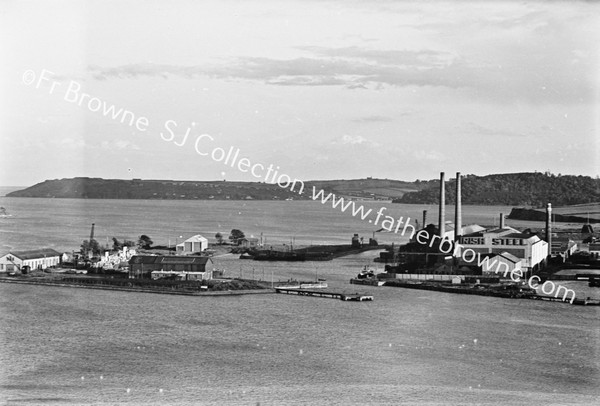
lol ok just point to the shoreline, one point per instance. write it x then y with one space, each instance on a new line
141 290
490 292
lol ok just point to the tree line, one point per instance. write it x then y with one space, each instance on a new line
522 189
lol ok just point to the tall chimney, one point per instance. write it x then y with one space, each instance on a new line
442 217
501 220
458 210
424 218
549 227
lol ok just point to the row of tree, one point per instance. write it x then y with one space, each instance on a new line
522 189
93 246
234 237
145 242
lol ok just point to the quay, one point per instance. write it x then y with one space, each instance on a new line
579 302
72 283
333 295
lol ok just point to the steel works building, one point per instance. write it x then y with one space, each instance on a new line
529 248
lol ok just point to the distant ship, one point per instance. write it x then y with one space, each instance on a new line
3 213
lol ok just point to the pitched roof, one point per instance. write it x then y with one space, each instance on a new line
195 238
169 259
36 254
510 257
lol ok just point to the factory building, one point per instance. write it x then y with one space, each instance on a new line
185 267
502 265
563 248
529 248
431 248
23 261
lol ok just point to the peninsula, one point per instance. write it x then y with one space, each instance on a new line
528 189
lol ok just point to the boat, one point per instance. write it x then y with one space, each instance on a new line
366 273
3 213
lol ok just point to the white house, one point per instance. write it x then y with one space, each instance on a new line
18 261
193 244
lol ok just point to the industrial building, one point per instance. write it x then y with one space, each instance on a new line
431 248
503 265
192 245
529 248
23 261
563 247
185 267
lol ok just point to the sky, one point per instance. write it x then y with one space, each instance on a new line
320 89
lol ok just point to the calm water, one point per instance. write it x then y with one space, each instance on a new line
78 346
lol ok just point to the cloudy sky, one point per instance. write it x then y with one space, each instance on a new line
322 89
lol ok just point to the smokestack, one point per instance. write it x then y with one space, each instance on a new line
442 217
458 210
501 220
424 218
549 227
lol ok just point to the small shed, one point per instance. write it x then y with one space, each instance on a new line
248 242
196 243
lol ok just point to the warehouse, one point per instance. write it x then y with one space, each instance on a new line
24 261
196 267
529 248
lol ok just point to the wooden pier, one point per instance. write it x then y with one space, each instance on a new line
320 293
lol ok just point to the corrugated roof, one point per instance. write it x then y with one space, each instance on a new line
184 260
169 259
519 235
196 238
143 259
36 254
510 257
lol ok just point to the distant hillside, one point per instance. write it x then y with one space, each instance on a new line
516 189
522 189
97 188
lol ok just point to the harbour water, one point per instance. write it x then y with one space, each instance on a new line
81 346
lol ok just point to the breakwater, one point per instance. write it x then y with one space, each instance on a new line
539 215
313 253
501 291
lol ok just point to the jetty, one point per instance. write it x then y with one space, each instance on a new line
355 297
